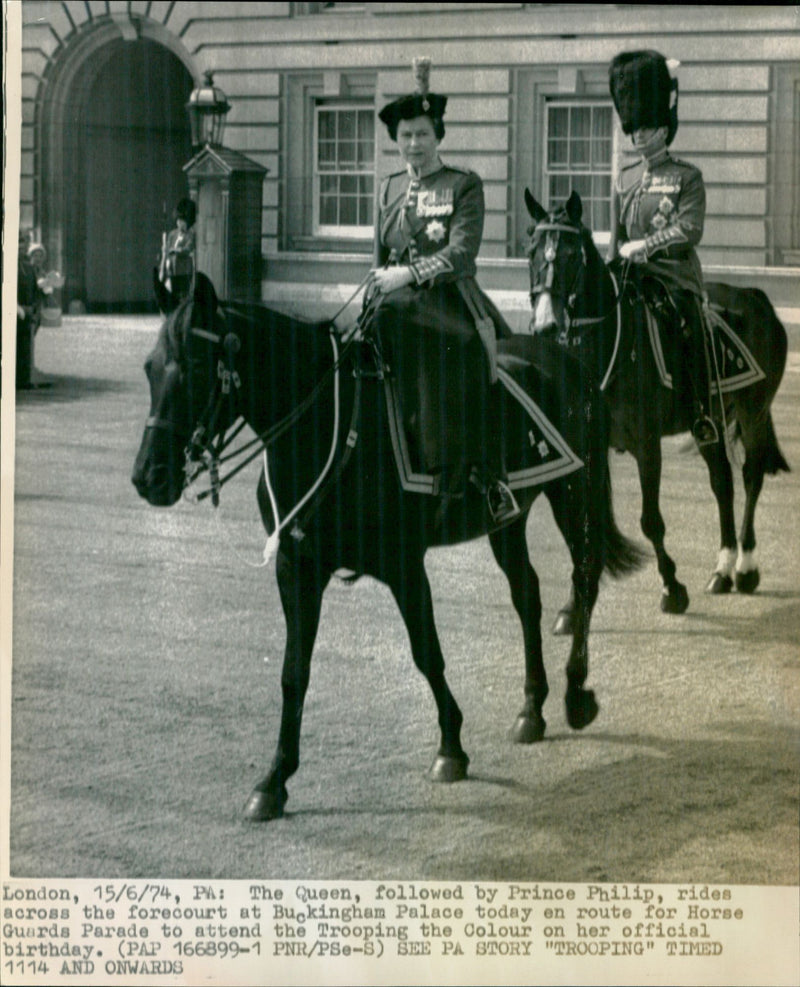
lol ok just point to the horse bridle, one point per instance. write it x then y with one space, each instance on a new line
550 253
205 453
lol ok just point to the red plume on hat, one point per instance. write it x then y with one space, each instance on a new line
642 87
422 102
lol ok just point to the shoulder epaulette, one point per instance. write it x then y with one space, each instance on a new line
684 164
461 170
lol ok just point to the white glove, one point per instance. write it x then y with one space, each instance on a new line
634 251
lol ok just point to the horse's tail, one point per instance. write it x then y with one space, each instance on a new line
621 556
774 461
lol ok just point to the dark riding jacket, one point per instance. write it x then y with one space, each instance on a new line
433 224
664 204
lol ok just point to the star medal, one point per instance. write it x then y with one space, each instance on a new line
435 231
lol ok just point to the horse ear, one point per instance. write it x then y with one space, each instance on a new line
574 207
205 294
537 213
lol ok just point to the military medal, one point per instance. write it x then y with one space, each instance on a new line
435 202
435 231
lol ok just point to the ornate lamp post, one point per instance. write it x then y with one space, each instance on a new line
207 108
227 187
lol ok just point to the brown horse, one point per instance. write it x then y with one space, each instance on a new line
608 330
304 391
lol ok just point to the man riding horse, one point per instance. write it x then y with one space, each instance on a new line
658 214
428 305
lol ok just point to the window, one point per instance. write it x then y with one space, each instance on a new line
344 169
579 155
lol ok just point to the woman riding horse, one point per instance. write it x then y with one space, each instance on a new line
659 209
428 305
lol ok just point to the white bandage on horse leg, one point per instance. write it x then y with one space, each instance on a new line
726 560
746 562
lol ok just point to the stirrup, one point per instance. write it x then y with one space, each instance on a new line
501 501
704 431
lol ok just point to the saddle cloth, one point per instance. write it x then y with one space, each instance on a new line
536 452
733 366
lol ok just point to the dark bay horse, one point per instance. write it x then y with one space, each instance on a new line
576 300
288 379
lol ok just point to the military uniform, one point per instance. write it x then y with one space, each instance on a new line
434 330
433 225
664 204
178 267
661 201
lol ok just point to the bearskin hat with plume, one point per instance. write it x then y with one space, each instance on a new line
641 87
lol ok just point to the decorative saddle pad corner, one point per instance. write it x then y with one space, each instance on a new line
735 363
733 366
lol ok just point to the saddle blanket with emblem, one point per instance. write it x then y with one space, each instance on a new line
536 452
733 366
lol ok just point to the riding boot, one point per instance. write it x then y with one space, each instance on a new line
452 487
492 476
704 429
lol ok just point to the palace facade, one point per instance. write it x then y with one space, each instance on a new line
105 132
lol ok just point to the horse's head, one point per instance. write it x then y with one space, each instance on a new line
190 373
558 257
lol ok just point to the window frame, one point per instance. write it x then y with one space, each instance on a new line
600 237
330 231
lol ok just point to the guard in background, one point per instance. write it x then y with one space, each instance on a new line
29 307
176 267
659 210
436 325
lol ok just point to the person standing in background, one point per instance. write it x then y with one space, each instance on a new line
176 268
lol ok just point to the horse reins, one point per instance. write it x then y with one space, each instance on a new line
201 455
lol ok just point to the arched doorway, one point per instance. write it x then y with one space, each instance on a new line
124 138
137 142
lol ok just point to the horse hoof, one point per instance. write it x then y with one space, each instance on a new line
264 806
448 769
564 624
528 729
747 582
676 600
582 708
719 584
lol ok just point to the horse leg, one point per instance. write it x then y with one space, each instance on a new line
511 552
573 509
674 596
301 585
721 478
564 623
747 575
412 591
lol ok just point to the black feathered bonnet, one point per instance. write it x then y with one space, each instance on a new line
420 103
642 89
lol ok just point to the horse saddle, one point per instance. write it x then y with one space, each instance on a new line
536 451
731 364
